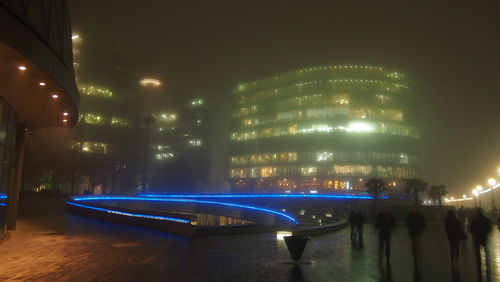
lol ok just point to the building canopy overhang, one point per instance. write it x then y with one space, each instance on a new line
34 79
39 101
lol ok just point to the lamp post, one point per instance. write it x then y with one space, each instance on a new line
148 119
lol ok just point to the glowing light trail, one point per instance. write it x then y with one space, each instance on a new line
261 196
158 199
131 214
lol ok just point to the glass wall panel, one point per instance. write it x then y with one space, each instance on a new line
7 132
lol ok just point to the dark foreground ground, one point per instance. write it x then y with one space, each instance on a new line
50 245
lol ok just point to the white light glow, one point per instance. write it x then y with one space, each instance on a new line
280 235
41 83
360 127
492 181
22 68
55 96
150 82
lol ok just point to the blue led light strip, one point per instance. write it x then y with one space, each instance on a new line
282 214
132 214
3 196
262 196
3 204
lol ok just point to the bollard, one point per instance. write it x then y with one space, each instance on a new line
296 245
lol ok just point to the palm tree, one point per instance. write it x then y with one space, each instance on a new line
375 186
436 193
432 195
414 187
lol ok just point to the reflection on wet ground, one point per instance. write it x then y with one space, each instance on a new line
58 246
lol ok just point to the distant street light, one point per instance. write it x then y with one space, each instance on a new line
148 120
492 181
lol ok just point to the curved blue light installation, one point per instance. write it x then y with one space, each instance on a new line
178 200
234 196
3 196
156 217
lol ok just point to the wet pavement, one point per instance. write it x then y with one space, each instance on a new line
50 245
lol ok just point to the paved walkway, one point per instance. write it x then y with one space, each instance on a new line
51 245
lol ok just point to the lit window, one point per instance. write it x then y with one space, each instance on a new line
292 115
324 156
320 112
360 127
165 117
341 99
92 118
393 115
195 142
267 171
119 122
196 102
317 128
93 90
308 171
90 147
238 173
383 99
164 156
403 158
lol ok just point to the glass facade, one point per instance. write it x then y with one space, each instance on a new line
323 128
7 133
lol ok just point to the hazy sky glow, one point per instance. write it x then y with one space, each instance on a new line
450 51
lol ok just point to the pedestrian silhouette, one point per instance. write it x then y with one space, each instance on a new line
352 222
480 227
360 221
462 215
385 224
415 222
456 233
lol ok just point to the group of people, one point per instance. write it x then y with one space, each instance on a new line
385 222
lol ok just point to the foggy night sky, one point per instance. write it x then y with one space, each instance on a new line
450 51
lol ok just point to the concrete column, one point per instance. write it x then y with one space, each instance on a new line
16 181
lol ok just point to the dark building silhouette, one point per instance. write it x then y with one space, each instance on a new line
37 85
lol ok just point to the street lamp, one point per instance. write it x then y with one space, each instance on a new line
148 119
145 160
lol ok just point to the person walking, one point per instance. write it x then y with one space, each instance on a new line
415 223
456 233
352 222
360 221
385 223
480 227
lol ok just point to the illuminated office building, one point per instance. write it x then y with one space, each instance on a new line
100 154
323 129
179 147
37 86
